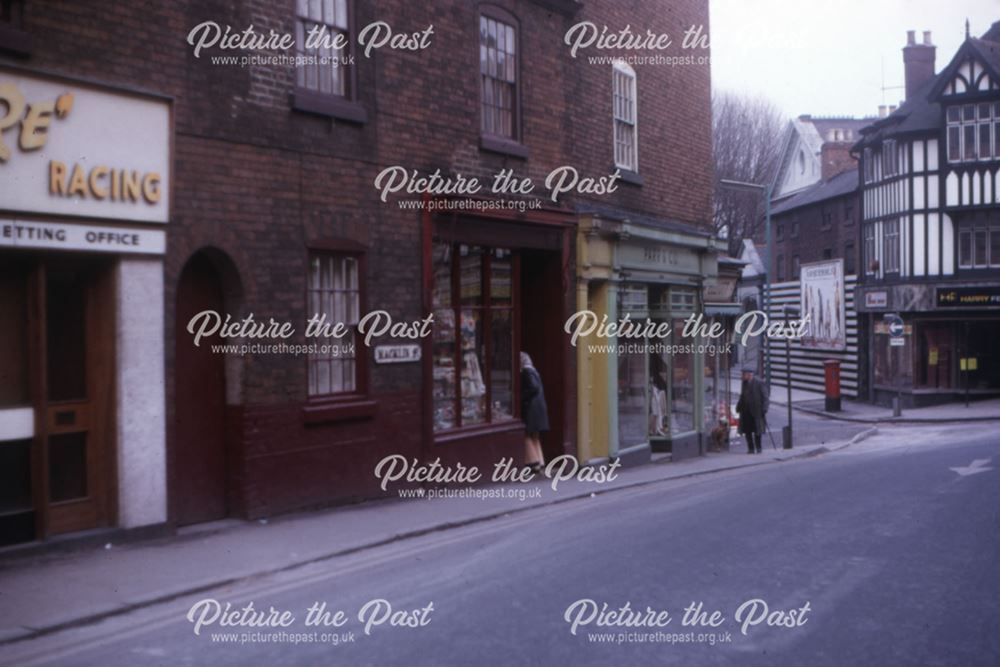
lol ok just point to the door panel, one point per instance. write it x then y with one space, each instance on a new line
200 387
77 457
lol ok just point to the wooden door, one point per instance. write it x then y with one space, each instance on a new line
75 460
199 409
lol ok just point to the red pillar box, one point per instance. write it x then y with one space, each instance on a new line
831 368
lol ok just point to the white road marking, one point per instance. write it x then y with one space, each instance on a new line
977 466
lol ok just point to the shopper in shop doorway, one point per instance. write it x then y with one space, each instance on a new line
752 407
534 413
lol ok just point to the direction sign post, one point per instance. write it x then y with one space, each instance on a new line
896 339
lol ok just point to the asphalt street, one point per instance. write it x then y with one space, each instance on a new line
880 554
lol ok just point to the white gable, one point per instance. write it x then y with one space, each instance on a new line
800 163
970 75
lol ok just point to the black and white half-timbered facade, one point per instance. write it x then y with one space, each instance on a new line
930 234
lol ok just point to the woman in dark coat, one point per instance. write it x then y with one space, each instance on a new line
533 412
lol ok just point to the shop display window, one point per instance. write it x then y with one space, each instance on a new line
473 340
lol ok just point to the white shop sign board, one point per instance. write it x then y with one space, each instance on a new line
116 143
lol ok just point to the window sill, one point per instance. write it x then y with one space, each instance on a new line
332 106
336 410
630 177
503 146
15 41
509 426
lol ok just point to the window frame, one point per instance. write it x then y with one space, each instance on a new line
968 125
485 308
344 107
891 248
488 141
890 158
869 248
344 248
621 68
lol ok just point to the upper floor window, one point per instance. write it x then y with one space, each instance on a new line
780 268
979 246
326 80
335 295
869 259
795 229
973 131
868 157
498 73
849 259
848 213
827 220
623 85
326 67
779 232
12 35
890 158
890 245
796 266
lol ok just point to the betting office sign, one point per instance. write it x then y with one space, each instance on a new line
69 148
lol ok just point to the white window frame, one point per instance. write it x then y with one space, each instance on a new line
868 248
990 123
890 158
334 289
626 156
332 78
891 246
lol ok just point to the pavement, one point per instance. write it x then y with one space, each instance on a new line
53 591
856 411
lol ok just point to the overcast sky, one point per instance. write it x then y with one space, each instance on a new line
829 57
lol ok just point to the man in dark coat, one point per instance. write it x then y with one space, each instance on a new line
752 407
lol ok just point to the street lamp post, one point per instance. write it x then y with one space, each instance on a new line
766 190
786 433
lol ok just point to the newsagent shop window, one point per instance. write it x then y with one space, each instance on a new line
327 71
624 103
334 293
499 94
473 340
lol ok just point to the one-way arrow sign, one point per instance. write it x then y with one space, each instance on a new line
979 465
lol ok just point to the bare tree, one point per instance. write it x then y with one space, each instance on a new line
748 136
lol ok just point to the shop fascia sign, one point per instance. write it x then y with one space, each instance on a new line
648 256
968 297
73 149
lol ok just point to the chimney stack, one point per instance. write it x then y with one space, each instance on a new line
918 61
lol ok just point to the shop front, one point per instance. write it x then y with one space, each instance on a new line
496 286
82 217
947 350
653 387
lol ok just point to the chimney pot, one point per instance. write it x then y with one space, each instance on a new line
911 37
881 111
927 38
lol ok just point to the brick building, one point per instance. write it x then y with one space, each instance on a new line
819 222
265 206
